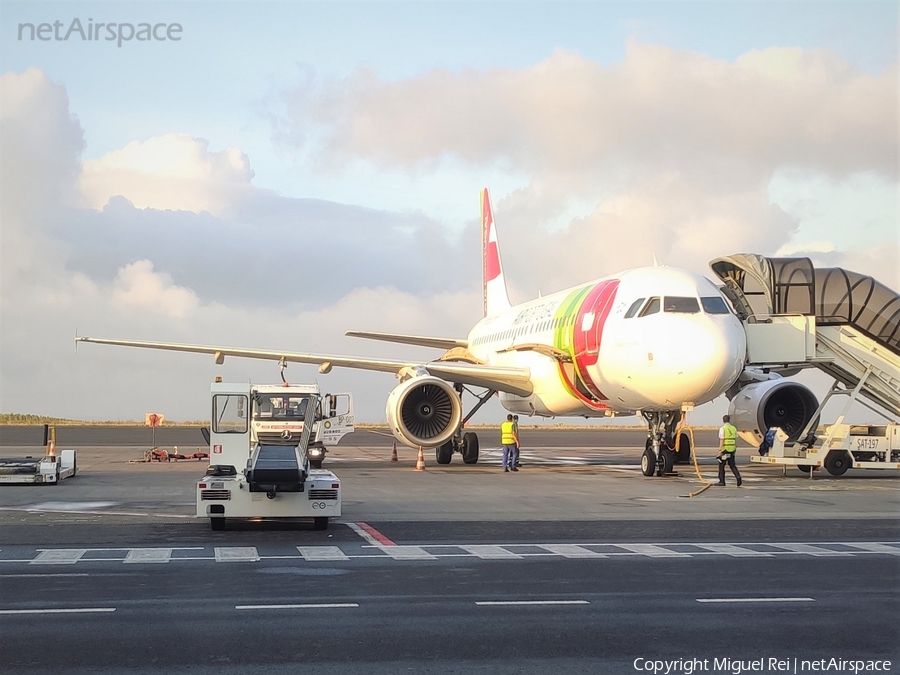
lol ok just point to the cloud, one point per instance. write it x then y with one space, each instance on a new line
660 107
173 172
138 286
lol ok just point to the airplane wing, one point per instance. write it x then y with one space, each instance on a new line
440 343
512 380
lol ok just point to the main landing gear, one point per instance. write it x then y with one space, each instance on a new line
659 455
463 442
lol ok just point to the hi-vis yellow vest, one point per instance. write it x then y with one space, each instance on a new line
729 443
507 437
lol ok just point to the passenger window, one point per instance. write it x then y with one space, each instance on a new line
652 307
714 305
635 306
680 305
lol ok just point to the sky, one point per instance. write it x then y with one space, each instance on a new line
284 172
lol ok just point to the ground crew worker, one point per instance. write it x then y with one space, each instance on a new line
516 463
509 440
727 449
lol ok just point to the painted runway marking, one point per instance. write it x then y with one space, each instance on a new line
322 553
148 555
572 551
490 552
377 551
809 549
236 554
330 605
80 610
734 551
408 553
653 551
721 600
501 603
40 576
370 534
60 556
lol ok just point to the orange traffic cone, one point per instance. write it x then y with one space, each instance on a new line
394 453
420 460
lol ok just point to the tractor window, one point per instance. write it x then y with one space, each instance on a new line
229 414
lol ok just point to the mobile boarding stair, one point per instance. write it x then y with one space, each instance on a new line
841 322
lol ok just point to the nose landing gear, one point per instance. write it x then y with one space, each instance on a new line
659 451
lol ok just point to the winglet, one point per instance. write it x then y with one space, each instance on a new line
494 292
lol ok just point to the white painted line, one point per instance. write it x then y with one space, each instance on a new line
407 553
148 555
876 548
572 551
236 554
60 556
808 549
491 552
734 551
531 602
653 551
40 576
331 605
322 553
756 600
81 610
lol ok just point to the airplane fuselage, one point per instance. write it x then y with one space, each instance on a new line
649 339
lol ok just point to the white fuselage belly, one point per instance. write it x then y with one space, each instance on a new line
587 359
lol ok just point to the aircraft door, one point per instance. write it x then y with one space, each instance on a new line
337 417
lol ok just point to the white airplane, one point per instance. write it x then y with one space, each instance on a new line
655 341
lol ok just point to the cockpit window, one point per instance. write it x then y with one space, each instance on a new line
652 307
681 305
714 305
635 306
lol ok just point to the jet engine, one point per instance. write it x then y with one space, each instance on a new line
773 403
424 411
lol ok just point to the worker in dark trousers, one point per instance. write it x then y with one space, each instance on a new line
516 463
510 442
727 449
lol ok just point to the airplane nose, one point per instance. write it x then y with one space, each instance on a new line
703 358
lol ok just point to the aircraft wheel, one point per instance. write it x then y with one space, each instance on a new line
805 468
470 448
667 464
444 453
648 461
837 462
320 523
684 450
217 523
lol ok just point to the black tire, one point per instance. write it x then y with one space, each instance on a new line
320 523
470 448
217 524
837 462
668 462
805 468
444 453
648 462
683 456
315 463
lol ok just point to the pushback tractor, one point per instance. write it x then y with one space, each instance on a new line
259 475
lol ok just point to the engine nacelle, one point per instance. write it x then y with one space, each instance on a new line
773 403
424 411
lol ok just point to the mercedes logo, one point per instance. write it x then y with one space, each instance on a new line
286 434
